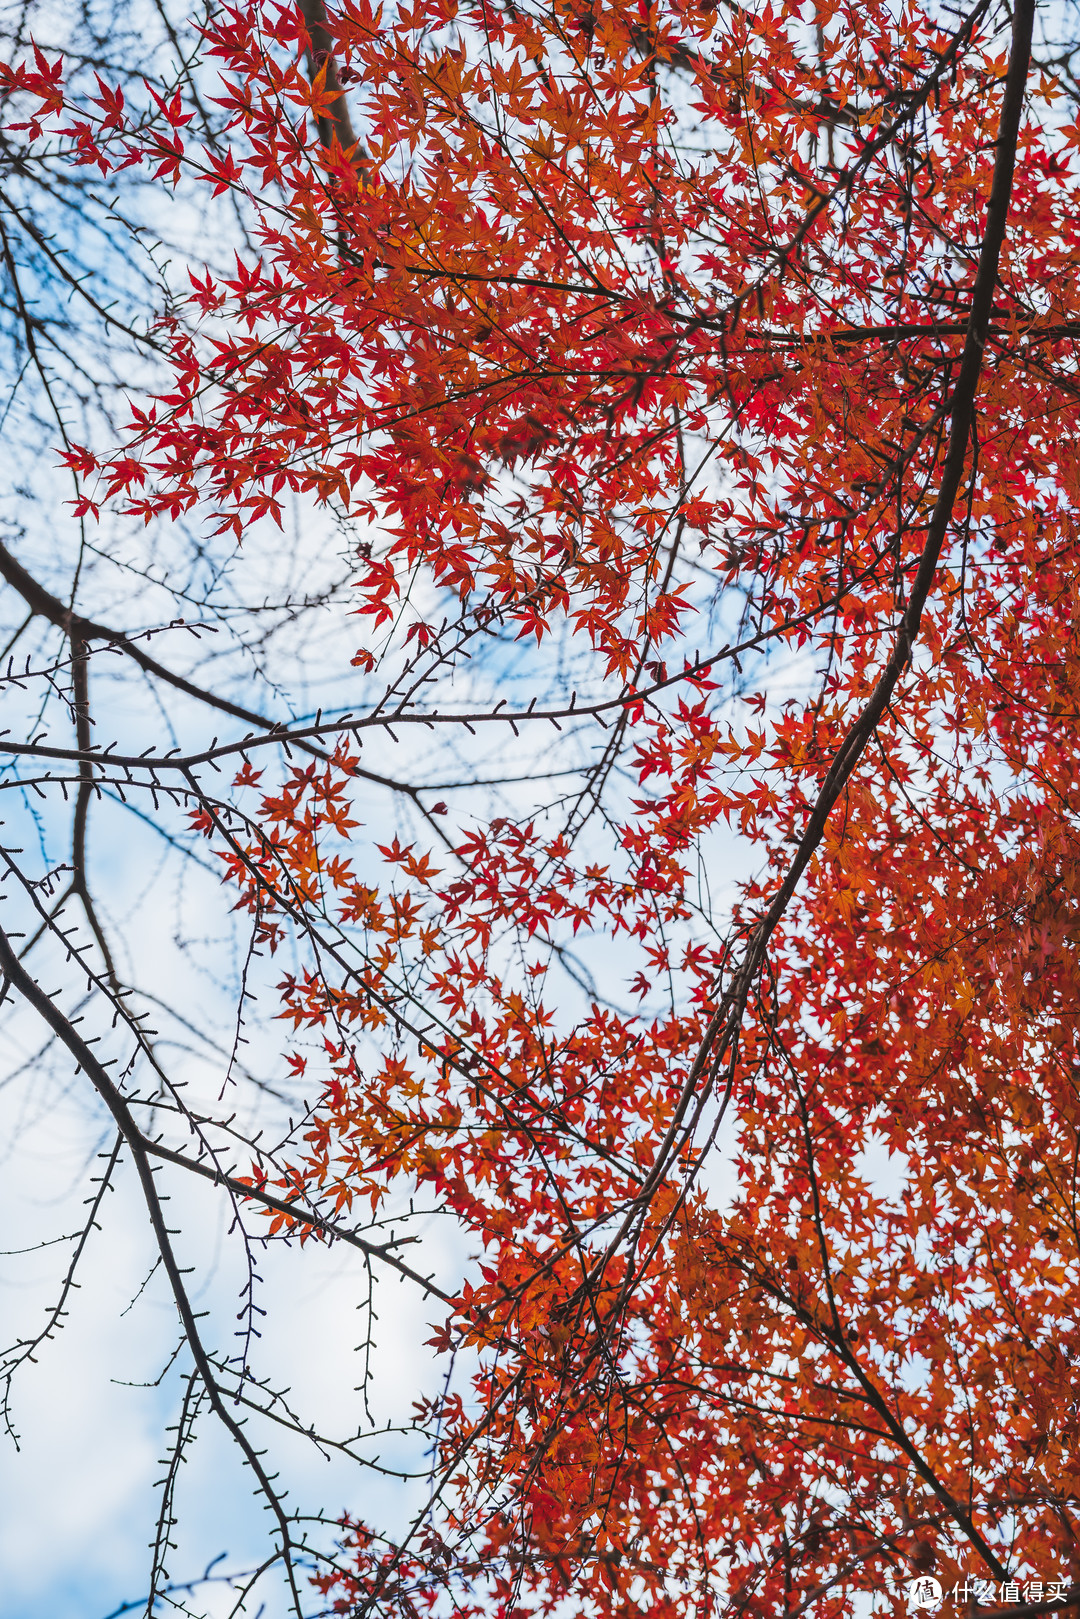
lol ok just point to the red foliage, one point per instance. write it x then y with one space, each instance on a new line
610 309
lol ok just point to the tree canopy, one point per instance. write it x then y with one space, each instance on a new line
675 410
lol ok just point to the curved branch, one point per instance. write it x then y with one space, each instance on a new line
138 1146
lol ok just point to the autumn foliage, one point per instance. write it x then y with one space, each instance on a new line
677 336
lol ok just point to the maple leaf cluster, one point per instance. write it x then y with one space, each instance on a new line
607 318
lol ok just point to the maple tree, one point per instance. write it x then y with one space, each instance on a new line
695 388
